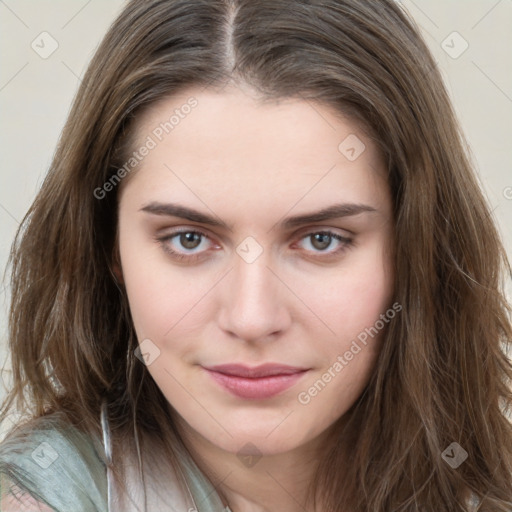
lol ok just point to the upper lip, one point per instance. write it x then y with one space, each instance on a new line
263 370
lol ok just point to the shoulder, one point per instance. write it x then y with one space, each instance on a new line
53 462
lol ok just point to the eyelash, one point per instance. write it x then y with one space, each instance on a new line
346 243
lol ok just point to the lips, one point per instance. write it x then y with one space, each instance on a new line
264 370
257 383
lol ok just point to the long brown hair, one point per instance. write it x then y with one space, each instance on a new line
442 375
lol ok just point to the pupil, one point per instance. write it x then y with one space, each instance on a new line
189 240
324 240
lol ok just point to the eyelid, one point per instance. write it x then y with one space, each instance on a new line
346 233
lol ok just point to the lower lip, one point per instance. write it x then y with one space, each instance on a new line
257 388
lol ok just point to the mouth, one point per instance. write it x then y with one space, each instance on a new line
256 383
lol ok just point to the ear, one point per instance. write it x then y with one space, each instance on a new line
118 273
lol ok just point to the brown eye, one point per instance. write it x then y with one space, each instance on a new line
185 245
190 239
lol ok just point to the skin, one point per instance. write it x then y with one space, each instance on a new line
299 303
21 502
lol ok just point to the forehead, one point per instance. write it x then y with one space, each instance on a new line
233 143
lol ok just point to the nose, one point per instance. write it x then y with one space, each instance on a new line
254 301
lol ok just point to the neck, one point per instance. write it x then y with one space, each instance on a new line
251 481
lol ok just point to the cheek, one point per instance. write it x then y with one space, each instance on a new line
353 296
153 302
168 304
356 305
159 304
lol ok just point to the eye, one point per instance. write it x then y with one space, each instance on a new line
191 245
183 244
322 240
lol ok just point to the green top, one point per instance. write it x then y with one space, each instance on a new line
60 466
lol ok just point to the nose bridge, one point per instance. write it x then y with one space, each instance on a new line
253 281
253 302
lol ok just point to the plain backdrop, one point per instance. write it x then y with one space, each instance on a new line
46 45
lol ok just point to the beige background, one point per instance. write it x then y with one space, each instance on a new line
36 93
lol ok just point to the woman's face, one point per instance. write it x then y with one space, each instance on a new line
251 235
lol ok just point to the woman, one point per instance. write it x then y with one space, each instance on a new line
260 275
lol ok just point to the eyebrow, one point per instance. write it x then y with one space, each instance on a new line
328 213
